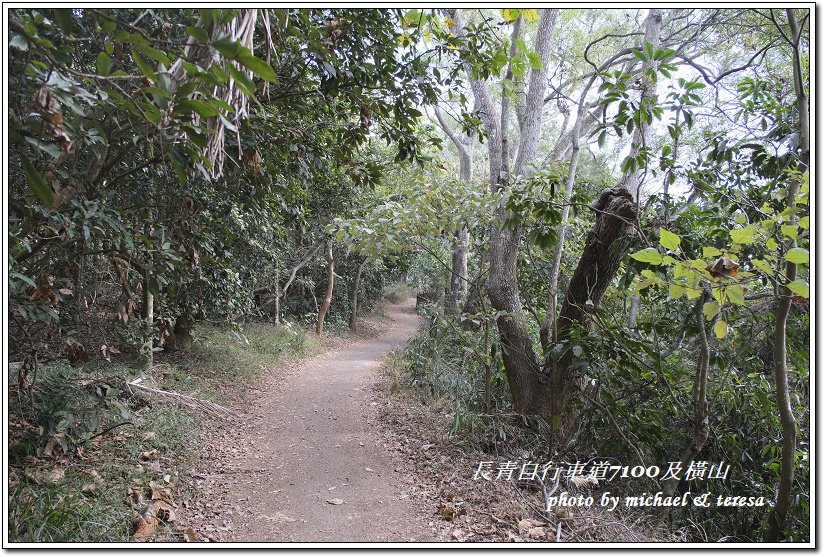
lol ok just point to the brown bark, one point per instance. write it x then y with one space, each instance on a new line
597 267
330 285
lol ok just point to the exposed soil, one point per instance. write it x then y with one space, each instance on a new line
309 464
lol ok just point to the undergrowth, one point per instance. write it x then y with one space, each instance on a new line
86 450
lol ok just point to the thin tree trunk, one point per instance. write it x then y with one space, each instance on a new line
780 372
700 419
330 277
353 317
460 247
148 317
277 292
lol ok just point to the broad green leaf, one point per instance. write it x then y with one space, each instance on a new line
790 231
744 235
735 294
720 329
158 55
648 255
709 251
65 19
534 60
669 240
740 218
227 46
144 66
36 182
242 80
799 256
676 291
711 309
518 67
800 287
193 105
104 64
510 15
763 266
259 67
804 222
772 245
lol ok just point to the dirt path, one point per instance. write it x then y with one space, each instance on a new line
312 439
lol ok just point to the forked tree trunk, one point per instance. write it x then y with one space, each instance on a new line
330 285
597 267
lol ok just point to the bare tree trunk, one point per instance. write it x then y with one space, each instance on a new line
330 285
148 317
597 267
353 317
700 418
780 373
460 247
277 292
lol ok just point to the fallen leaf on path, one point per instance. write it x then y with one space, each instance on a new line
154 454
537 532
335 501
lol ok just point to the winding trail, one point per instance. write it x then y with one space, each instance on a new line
311 439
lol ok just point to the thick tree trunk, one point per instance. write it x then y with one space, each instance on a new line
597 267
517 351
330 285
353 317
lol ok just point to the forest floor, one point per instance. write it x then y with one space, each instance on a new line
309 463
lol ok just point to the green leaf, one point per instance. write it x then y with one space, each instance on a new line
735 294
711 309
763 266
193 105
804 222
790 231
36 182
534 60
648 255
710 251
799 256
144 66
104 64
242 80
669 240
227 46
198 34
744 235
517 66
65 19
800 287
720 329
157 55
258 67
772 245
676 291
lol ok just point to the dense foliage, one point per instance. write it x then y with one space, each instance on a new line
169 167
